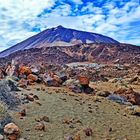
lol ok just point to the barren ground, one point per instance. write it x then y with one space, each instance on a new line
106 118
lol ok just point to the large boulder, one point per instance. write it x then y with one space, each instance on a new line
84 85
83 80
7 95
51 79
130 95
5 118
11 82
23 70
32 78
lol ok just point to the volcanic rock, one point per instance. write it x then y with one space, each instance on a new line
40 126
88 132
23 83
132 110
32 78
23 70
12 131
7 95
22 112
130 95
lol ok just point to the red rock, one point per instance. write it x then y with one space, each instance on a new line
24 70
12 131
32 78
83 80
130 95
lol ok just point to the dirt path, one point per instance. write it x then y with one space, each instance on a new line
106 118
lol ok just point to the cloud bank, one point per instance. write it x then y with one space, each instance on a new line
20 19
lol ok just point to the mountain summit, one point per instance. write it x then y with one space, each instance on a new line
59 36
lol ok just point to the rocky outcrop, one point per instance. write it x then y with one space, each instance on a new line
130 95
7 96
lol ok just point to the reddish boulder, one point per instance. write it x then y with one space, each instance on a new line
12 131
83 80
32 78
23 70
130 95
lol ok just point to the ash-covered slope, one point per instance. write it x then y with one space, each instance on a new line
59 36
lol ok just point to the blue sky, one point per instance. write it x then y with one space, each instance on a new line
20 19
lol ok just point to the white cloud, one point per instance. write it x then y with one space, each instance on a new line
77 1
18 17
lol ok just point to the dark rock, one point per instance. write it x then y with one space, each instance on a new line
88 132
22 112
7 95
36 97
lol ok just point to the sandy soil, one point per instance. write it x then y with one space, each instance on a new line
107 119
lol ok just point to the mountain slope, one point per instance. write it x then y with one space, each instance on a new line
96 52
59 36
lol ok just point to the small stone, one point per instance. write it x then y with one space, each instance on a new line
22 139
88 132
27 129
36 97
103 93
22 112
90 111
77 137
45 119
30 98
38 103
40 126
31 94
41 135
66 121
69 138
37 120
43 89
71 126
38 89
110 129
124 114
